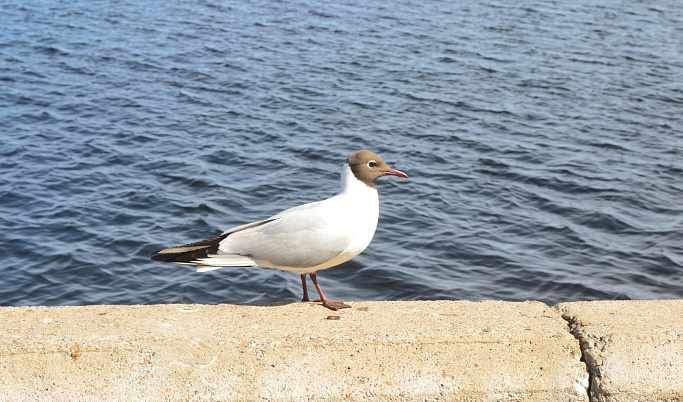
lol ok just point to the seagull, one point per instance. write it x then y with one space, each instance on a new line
303 239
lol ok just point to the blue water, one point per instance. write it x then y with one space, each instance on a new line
544 141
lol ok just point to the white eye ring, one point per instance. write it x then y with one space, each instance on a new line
372 164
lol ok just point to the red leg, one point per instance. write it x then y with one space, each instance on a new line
303 283
334 305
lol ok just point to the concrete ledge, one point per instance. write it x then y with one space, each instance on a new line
441 350
634 349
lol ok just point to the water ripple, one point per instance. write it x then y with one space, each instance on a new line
543 141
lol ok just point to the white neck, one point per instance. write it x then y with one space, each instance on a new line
357 205
350 185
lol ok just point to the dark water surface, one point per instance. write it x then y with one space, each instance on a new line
544 141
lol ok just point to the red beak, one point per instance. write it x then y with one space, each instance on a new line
394 172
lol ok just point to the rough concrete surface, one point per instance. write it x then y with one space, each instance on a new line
430 350
634 349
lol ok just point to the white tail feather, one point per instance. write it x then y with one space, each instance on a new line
206 268
215 261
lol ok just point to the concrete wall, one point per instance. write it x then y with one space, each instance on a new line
429 350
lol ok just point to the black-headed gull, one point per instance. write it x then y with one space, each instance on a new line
303 239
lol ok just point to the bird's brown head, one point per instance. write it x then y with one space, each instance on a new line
367 166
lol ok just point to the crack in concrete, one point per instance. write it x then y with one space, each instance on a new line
573 324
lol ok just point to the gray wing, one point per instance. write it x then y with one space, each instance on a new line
300 237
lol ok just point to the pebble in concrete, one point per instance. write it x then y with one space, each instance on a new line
442 350
634 349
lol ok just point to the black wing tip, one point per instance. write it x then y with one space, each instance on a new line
198 249
170 257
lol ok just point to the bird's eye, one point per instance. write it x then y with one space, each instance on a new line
372 164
